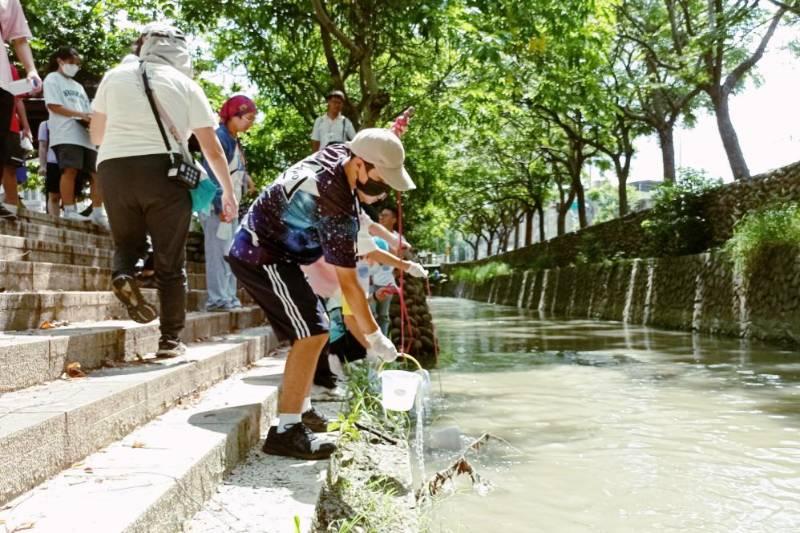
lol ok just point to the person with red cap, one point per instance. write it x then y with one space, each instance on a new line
237 115
312 211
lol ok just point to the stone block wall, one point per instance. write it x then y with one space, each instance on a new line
624 237
701 292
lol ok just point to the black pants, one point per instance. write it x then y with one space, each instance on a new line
6 112
141 200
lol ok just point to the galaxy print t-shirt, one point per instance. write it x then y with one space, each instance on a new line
308 212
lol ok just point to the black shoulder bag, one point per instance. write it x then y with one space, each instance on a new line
184 173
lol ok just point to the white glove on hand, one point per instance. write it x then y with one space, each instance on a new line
380 347
416 270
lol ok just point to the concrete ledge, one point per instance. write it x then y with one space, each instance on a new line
28 310
47 428
27 276
37 356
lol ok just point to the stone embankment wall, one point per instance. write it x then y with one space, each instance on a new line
624 237
701 292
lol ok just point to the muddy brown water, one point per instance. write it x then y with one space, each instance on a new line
615 428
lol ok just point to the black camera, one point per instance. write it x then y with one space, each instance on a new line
186 174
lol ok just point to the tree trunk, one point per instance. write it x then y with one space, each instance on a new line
504 236
528 227
475 247
667 142
540 211
729 138
623 198
562 220
579 193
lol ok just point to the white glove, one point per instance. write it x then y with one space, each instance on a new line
380 347
416 270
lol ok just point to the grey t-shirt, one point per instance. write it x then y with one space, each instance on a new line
61 90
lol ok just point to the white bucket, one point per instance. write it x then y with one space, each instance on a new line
398 389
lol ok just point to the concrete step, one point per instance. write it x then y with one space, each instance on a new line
47 428
21 311
26 276
40 355
267 494
13 248
43 219
46 232
157 477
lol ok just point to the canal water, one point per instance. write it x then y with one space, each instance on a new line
613 428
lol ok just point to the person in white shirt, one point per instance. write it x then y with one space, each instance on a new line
70 115
136 167
332 127
13 29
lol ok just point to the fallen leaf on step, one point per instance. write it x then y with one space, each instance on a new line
74 370
137 444
88 470
52 324
23 527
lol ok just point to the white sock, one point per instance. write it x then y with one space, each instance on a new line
306 404
287 419
98 211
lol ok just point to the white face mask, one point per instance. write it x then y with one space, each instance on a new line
70 69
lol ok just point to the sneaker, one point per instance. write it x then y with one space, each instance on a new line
100 218
5 214
320 393
127 291
217 309
168 347
315 421
297 441
71 214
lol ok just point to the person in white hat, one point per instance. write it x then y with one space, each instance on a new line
312 211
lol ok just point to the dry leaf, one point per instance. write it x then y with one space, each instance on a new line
46 325
74 370
88 470
23 527
137 444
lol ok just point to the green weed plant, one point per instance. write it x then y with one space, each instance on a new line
481 273
677 224
762 231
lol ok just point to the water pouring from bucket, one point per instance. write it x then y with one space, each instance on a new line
399 388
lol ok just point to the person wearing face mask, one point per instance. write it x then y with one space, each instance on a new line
237 114
332 127
70 115
310 211
136 166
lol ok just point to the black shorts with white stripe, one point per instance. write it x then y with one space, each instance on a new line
281 289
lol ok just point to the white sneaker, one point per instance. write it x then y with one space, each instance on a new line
100 218
321 394
12 208
71 214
